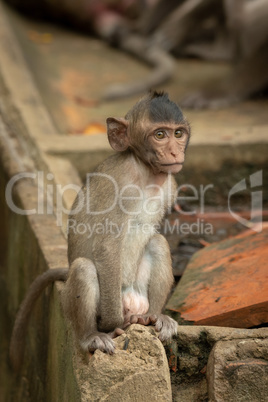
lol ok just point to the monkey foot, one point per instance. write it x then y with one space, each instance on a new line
101 341
165 325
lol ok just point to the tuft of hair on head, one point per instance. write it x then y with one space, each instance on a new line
157 94
156 107
162 109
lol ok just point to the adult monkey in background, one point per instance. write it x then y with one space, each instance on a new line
248 30
122 278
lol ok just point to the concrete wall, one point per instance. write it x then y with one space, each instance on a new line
29 246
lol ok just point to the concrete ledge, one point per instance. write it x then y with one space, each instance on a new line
194 362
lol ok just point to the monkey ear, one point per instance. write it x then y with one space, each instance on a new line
117 133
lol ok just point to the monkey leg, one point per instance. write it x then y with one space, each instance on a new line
159 286
249 77
80 301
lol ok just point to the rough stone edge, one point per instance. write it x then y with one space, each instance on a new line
215 334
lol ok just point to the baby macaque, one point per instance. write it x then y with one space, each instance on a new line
120 267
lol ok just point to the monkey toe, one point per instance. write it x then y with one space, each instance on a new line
117 332
144 319
165 325
140 319
153 319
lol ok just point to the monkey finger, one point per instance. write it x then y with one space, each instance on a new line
133 319
117 332
126 322
144 320
153 319
140 319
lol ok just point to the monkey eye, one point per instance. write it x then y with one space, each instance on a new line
160 135
179 133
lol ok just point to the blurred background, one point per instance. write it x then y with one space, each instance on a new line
207 54
65 66
94 59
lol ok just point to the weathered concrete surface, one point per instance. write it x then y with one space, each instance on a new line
29 245
194 360
226 283
238 371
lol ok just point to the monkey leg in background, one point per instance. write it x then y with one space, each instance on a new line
248 78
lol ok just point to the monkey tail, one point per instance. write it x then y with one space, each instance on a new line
16 349
153 55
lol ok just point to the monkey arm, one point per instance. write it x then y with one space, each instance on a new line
175 28
152 17
16 348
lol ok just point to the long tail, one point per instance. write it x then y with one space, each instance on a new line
16 349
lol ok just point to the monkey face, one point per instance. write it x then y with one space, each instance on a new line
167 143
156 132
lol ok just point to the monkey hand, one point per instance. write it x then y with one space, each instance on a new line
165 325
127 316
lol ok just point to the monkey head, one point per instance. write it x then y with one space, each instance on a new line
155 130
